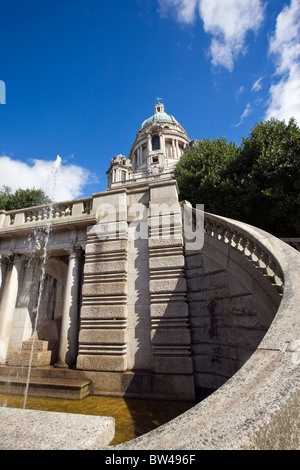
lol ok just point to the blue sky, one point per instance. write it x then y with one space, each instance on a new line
82 75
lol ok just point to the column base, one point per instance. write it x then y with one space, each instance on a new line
61 365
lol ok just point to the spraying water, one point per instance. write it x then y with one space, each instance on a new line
52 184
46 230
53 178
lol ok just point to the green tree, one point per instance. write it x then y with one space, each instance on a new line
268 177
257 182
204 175
21 198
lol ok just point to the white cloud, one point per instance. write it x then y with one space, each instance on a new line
185 10
257 85
246 113
285 48
61 181
228 21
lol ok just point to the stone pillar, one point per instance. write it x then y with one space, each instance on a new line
162 143
8 305
149 143
173 149
139 159
68 344
103 319
177 149
3 271
170 334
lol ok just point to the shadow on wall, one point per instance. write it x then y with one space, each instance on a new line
227 321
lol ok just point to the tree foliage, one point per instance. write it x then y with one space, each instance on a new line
258 182
21 198
203 174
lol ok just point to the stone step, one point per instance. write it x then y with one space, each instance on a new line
39 345
70 389
24 357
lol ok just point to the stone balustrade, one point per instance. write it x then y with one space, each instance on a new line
245 243
258 407
47 212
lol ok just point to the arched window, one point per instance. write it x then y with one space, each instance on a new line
155 142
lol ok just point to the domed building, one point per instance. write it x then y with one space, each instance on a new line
159 144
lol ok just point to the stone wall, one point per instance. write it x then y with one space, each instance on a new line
227 322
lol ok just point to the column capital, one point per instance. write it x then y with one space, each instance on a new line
17 258
76 250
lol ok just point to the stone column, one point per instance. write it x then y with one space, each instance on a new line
162 143
149 143
173 149
8 304
177 149
70 318
3 270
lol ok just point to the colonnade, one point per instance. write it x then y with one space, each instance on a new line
119 174
146 144
68 342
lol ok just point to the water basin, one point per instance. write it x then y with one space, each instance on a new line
133 417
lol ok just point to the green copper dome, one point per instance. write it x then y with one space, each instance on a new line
159 117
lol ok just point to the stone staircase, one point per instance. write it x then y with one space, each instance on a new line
51 387
34 351
44 382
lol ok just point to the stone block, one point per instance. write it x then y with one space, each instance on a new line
161 243
171 336
166 262
104 288
41 430
172 365
103 336
170 310
77 208
199 283
106 267
111 246
166 190
24 358
111 230
102 363
210 334
167 285
19 218
175 386
104 311
39 345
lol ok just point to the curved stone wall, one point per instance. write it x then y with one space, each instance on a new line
258 407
